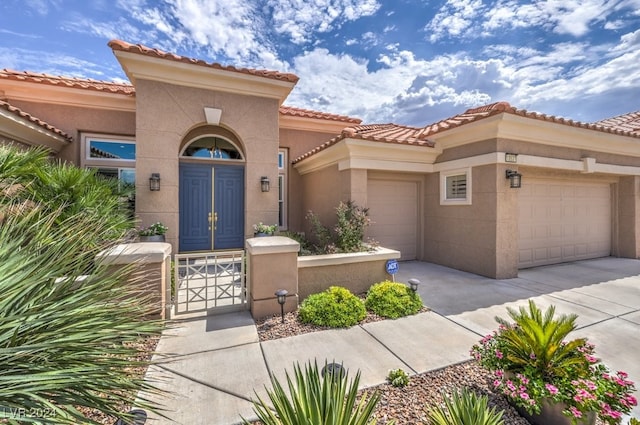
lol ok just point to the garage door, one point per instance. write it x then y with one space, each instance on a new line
562 221
393 209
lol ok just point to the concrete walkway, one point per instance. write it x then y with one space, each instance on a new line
213 365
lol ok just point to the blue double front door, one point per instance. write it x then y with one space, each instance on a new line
211 207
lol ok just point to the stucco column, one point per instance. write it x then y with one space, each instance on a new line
152 273
628 220
272 264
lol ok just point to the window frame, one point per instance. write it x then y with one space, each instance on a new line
444 181
87 161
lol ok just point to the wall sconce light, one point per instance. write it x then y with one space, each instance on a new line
281 295
413 284
154 182
515 179
264 183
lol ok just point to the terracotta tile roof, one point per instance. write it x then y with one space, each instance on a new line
308 113
625 125
80 83
627 122
385 133
25 116
148 51
477 114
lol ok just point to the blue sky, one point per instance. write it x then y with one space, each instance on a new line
404 61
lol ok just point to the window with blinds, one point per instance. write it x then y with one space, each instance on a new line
455 187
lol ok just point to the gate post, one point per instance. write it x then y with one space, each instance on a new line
272 264
152 273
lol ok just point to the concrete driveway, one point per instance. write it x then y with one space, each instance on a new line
604 293
212 366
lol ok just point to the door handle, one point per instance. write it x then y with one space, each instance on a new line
215 220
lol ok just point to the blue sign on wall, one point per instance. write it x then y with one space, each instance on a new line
392 267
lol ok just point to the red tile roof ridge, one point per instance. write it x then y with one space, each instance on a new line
309 113
625 122
384 133
20 113
74 82
153 52
482 112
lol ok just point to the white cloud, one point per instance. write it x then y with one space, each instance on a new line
453 19
572 17
301 19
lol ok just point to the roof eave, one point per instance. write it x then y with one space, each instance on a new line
22 130
321 125
139 66
29 91
350 153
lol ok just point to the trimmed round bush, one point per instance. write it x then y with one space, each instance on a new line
336 307
392 300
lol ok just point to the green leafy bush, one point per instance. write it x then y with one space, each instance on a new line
348 233
464 407
392 300
398 378
336 307
352 220
316 400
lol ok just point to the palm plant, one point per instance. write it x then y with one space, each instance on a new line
316 400
536 339
464 407
65 189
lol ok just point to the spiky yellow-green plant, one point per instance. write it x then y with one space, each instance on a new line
313 399
464 407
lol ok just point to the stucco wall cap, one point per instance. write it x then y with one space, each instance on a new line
352 257
271 245
142 252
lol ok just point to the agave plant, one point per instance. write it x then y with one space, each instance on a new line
537 339
65 339
315 400
464 407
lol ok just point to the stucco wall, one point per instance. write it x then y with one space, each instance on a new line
321 193
166 113
297 143
480 237
74 120
357 277
527 148
628 215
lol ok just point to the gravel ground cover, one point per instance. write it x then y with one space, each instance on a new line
406 405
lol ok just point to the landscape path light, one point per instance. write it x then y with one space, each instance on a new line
413 284
281 295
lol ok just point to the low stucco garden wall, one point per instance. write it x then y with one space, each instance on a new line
354 271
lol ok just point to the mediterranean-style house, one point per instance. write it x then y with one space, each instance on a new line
490 191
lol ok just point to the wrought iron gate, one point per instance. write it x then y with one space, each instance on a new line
210 283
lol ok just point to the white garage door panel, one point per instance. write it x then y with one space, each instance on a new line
393 209
563 221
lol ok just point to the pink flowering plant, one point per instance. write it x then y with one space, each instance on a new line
533 363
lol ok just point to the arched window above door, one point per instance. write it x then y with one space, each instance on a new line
212 147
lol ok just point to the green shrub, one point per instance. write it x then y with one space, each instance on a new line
352 220
336 307
315 400
398 378
464 407
392 300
